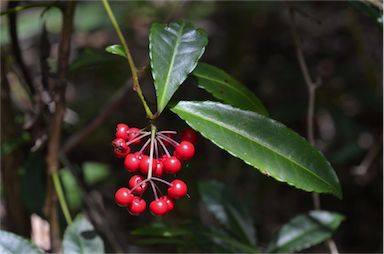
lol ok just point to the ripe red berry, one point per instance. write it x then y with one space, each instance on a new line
137 206
134 133
144 164
122 131
132 162
123 197
190 135
172 165
177 189
159 169
185 150
170 202
158 207
120 147
135 180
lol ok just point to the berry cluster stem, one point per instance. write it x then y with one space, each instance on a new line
153 137
132 66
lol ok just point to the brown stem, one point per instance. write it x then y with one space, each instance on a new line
311 87
56 121
12 19
16 216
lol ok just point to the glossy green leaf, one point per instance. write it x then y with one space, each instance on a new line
229 210
80 237
305 231
14 244
224 87
263 143
174 51
116 50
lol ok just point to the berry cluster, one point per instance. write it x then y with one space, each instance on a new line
149 164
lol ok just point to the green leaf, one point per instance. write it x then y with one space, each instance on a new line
228 209
95 172
223 87
80 237
14 244
263 143
72 191
174 51
305 231
116 50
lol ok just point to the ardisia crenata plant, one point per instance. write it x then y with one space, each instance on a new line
238 124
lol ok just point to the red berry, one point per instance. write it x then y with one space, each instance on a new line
120 147
177 189
123 197
137 206
122 131
134 133
135 180
158 207
170 202
144 164
190 135
172 165
185 150
159 170
132 162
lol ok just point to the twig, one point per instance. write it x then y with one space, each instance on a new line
12 19
79 136
16 9
369 158
56 121
311 87
135 77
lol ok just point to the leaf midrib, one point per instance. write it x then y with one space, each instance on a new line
278 153
227 85
311 229
174 53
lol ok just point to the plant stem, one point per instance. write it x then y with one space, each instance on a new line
25 7
153 140
60 195
311 87
135 78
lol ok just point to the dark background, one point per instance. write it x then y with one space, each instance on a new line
252 42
